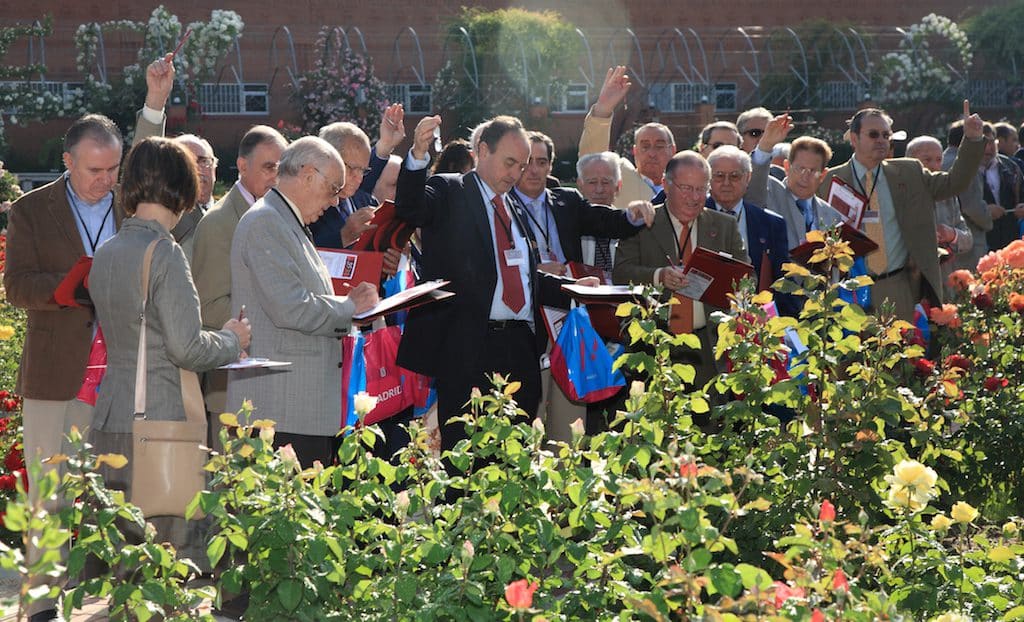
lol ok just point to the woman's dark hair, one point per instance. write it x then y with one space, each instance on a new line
159 170
456 157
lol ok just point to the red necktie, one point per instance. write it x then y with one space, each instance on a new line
511 281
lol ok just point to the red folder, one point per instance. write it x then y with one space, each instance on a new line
859 243
713 276
350 268
602 315
72 291
846 200
390 232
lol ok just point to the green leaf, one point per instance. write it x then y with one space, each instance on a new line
215 550
726 580
1017 613
406 588
753 577
289 593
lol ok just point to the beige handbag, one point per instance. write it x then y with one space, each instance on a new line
168 457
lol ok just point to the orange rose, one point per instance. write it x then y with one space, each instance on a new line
1013 256
960 280
1017 302
989 262
946 315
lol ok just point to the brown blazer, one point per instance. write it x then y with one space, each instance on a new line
914 191
43 243
638 257
211 257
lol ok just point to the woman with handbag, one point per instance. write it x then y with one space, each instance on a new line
149 407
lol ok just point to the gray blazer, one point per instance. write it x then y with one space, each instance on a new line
781 201
174 335
277 274
975 213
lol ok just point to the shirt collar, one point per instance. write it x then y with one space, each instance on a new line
248 196
527 200
103 202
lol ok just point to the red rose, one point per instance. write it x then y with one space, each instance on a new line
994 383
923 367
10 404
14 460
827 513
958 360
7 481
4 421
4 395
839 581
519 594
688 469
983 300
783 593
817 616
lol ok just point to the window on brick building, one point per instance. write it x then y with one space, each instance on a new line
248 98
415 97
575 99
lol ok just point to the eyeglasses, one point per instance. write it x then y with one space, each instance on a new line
754 132
206 162
734 176
358 170
803 170
335 189
687 189
875 135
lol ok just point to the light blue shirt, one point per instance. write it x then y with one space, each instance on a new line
545 231
95 221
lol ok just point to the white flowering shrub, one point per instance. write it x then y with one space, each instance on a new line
930 65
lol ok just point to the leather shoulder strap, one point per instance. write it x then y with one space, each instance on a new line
140 362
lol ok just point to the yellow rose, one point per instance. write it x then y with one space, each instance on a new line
6 332
952 617
940 522
1010 528
963 512
911 485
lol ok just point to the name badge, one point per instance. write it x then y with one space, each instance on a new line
514 257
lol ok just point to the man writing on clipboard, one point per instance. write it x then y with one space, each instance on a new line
905 268
681 225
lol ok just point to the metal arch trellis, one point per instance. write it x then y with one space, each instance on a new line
293 67
38 25
640 76
342 36
396 57
471 69
588 78
755 77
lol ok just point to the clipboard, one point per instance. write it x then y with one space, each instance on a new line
603 294
846 200
416 296
859 243
579 270
711 276
390 232
73 290
350 268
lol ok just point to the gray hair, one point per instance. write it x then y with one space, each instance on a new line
780 150
309 150
343 134
607 157
728 152
192 139
749 115
657 126
921 141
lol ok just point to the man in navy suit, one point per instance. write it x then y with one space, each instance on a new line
474 235
763 231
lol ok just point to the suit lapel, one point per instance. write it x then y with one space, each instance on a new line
62 214
665 233
477 208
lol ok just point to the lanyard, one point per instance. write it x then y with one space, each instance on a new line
546 229
93 241
501 221
874 181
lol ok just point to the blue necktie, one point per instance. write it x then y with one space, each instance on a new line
805 209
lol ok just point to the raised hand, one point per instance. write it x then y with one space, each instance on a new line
423 136
392 130
973 124
159 81
775 132
613 92
641 210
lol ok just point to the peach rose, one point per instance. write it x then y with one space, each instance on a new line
960 280
988 262
946 315
1017 302
1013 255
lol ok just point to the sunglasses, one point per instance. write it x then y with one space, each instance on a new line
875 135
754 132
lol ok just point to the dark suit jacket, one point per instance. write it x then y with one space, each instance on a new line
443 339
327 229
575 217
1005 229
766 232
914 191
